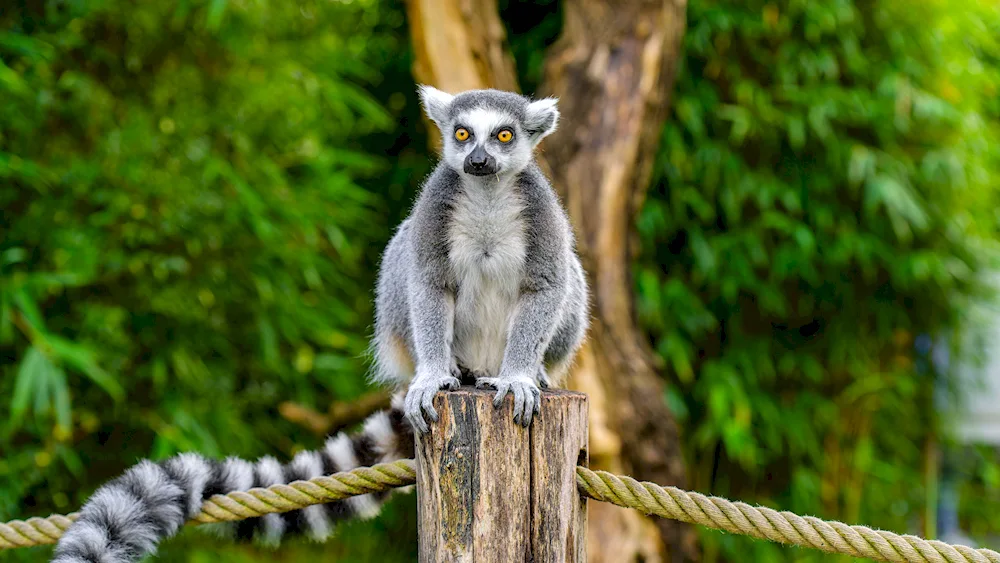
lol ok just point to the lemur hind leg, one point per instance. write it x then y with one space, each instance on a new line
569 336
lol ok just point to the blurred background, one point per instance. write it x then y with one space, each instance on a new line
194 196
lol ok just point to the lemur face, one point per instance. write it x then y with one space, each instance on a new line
489 133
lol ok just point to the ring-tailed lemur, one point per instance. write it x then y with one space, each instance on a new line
481 282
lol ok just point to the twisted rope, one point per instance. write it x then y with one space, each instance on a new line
241 504
34 531
764 523
667 502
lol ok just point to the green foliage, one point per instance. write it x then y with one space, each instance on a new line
194 195
189 231
825 194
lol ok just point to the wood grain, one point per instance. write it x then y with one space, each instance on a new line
491 491
558 445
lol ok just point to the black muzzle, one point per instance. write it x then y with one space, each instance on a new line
480 163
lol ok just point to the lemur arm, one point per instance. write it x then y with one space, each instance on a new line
433 311
431 299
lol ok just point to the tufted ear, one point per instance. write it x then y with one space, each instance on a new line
436 103
541 118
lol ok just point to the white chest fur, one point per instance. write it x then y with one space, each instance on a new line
487 250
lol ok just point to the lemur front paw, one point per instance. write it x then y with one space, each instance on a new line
527 396
420 397
543 378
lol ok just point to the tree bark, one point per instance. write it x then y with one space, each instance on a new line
613 69
459 45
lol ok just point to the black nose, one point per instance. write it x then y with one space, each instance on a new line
480 163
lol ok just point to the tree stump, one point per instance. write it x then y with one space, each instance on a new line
491 491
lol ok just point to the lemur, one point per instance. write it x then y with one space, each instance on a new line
480 284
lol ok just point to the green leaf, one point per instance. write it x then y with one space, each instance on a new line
82 358
11 82
216 10
29 310
6 318
30 382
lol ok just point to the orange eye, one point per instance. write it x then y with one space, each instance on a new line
505 136
462 134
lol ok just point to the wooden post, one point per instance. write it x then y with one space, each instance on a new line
491 491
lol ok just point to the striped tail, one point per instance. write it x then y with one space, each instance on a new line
126 518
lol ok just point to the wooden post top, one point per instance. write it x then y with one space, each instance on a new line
490 490
472 391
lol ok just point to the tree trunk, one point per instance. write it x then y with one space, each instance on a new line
459 45
613 70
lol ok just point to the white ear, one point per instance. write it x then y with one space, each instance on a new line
541 118
435 102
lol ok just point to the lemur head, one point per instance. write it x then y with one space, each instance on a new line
489 132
